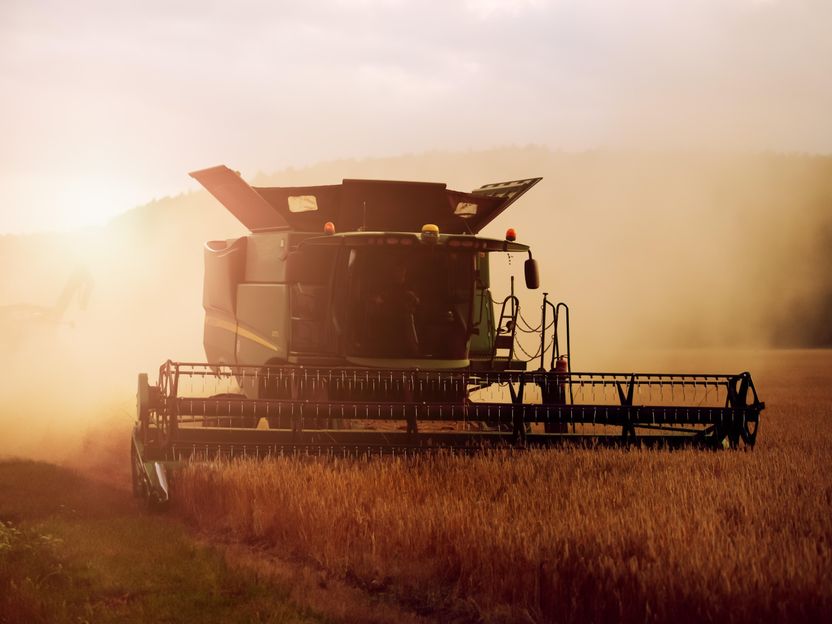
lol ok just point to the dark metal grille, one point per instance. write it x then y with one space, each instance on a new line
199 407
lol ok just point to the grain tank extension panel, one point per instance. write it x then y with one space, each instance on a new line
369 205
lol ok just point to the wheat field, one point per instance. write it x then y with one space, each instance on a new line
563 535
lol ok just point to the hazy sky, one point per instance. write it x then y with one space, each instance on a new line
108 104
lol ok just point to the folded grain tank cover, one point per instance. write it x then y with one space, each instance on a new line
240 199
370 205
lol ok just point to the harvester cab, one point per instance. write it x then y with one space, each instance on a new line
374 274
358 318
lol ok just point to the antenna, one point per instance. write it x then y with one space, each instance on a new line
363 227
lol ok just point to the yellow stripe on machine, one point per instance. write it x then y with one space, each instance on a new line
239 331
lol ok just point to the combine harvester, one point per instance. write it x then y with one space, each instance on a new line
357 319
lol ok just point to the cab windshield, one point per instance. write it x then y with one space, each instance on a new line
410 302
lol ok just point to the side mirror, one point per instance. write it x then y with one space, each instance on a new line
532 274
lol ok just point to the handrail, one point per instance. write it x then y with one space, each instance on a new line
556 351
556 354
515 310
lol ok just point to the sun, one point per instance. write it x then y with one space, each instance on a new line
88 200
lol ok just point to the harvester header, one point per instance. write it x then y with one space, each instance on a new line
358 318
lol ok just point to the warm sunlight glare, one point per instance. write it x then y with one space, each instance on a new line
84 201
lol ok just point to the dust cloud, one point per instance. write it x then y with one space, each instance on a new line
69 377
652 251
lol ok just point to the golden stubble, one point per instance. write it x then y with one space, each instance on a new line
565 535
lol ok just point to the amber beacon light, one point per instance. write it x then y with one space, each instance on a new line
430 232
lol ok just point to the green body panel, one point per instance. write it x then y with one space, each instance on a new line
265 257
225 265
262 323
247 297
220 337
